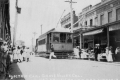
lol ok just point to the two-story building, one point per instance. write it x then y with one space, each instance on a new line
66 20
104 20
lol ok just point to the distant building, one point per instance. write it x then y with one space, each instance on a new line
66 20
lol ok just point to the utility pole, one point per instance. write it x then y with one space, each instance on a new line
33 39
71 13
15 25
41 29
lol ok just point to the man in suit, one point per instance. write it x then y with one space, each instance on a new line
97 51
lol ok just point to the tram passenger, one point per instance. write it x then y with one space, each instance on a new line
52 53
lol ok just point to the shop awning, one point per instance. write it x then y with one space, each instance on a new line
114 27
93 32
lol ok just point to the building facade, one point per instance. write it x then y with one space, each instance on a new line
66 20
100 25
5 33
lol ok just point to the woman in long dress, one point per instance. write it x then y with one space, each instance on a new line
109 54
15 57
84 54
19 54
76 51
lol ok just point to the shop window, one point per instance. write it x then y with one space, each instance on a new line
56 37
63 37
96 21
117 39
118 14
91 22
109 17
102 19
69 38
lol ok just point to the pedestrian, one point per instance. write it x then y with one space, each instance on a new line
117 54
109 54
76 52
97 51
24 53
27 54
52 53
19 54
15 57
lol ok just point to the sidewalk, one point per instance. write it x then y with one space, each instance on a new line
15 72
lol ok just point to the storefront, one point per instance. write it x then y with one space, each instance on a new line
92 37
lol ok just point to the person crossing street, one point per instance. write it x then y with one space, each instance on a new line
52 53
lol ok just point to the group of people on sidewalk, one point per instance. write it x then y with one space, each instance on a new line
97 53
20 54
9 55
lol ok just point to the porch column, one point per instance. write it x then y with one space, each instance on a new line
83 41
108 37
80 41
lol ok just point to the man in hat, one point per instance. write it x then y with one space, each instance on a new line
97 51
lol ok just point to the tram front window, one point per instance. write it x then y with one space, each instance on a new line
69 38
63 37
56 37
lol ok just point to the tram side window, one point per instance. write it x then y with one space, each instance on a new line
56 37
69 38
63 37
42 42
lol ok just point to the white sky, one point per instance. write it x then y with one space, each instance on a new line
35 13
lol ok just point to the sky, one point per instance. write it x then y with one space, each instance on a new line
47 13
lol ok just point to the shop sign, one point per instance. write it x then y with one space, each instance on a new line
114 27
93 32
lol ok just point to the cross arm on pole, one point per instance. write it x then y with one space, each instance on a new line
70 1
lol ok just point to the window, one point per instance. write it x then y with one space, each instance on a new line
85 23
91 22
42 42
96 21
102 19
62 37
118 14
56 37
109 17
69 38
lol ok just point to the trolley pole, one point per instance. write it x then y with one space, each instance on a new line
41 29
71 13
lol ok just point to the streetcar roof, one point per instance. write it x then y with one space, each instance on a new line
59 30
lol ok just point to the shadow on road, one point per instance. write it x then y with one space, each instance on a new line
15 72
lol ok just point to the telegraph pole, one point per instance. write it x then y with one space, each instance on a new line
15 25
71 13
41 29
33 39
